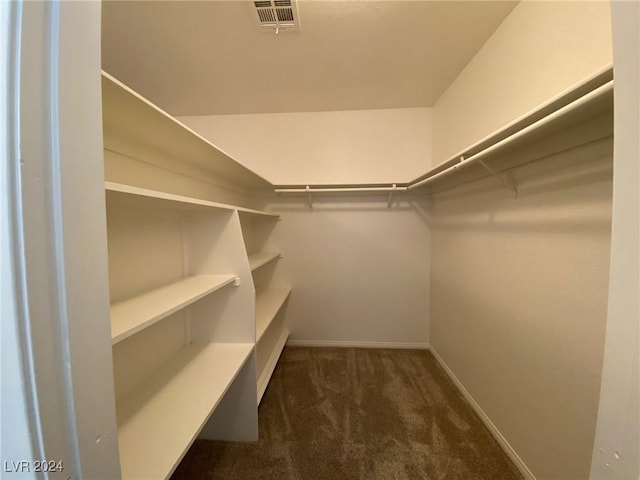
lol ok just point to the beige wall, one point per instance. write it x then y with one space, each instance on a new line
359 270
539 51
519 285
364 146
518 302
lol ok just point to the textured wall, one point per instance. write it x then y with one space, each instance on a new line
519 299
359 270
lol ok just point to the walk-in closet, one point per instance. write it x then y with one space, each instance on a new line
322 239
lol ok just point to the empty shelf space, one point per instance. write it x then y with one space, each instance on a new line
257 260
175 202
268 304
160 419
130 316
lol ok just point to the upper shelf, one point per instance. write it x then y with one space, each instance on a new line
562 124
126 112
179 202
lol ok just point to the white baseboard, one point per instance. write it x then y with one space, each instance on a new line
520 465
357 344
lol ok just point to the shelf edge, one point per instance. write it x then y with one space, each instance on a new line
286 292
115 339
171 197
263 261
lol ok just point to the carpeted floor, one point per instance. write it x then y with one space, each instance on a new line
344 413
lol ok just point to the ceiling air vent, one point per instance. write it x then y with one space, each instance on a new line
277 15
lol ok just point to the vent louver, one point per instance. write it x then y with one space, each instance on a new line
277 15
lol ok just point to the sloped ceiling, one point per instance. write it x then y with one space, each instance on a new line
205 58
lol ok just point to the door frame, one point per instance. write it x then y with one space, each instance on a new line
58 397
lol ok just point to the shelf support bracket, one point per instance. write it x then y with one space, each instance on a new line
309 197
501 178
391 196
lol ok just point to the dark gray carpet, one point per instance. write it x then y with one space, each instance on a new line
344 413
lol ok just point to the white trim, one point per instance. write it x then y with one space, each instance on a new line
20 435
270 366
58 242
616 447
358 344
508 449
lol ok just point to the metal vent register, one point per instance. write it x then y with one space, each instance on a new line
277 15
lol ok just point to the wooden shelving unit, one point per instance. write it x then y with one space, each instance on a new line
159 420
179 346
183 318
271 331
130 316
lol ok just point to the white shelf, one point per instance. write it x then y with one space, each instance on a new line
177 202
130 316
159 420
269 301
126 112
272 362
257 260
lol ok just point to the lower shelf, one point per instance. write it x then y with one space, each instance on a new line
160 419
265 375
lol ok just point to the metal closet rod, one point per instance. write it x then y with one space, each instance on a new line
459 161
363 189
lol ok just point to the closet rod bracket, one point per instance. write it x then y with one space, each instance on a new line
511 186
393 189
309 197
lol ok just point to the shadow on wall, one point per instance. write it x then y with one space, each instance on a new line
518 291
551 196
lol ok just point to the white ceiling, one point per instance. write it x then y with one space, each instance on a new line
198 58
